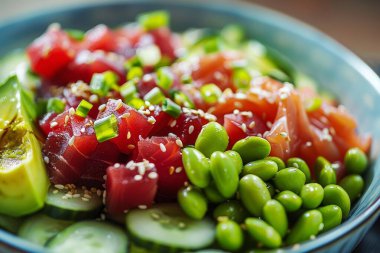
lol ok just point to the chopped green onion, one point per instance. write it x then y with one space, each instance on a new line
241 78
128 91
101 83
186 79
232 34
165 78
106 128
180 98
149 55
132 62
279 75
75 34
164 62
135 73
171 108
155 96
212 45
153 20
55 105
210 93
313 104
136 103
83 108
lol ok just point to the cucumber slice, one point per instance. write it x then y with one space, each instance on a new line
40 228
61 205
90 237
9 223
166 228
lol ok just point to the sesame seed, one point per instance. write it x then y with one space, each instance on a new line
172 135
125 211
46 159
137 177
64 197
178 170
76 195
244 127
269 124
247 113
128 135
71 111
85 199
131 146
171 170
66 119
125 115
173 123
117 165
179 143
151 120
152 175
309 144
119 104
87 196
252 125
191 129
151 108
142 207
55 191
236 111
53 124
71 141
59 186
102 107
284 134
162 147
82 130
94 98
141 169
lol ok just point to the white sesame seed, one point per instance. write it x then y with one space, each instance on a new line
117 165
141 169
152 175
125 211
236 111
309 144
191 129
102 107
269 124
131 146
53 124
247 113
125 115
85 199
179 143
55 191
59 186
252 125
284 134
137 177
64 197
173 123
71 141
142 207
162 147
66 119
119 104
128 135
71 111
172 135
87 196
151 108
46 159
151 120
244 127
178 170
76 195
94 98
82 130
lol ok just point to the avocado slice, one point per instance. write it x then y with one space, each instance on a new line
23 178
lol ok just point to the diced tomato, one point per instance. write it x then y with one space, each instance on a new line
166 155
51 52
239 126
130 186
87 63
99 38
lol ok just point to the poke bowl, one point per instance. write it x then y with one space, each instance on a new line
119 122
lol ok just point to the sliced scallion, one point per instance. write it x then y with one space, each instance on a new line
233 34
313 104
241 78
101 83
164 78
149 55
135 73
171 108
136 103
128 91
153 20
75 34
55 105
186 79
210 93
155 96
180 98
83 108
106 128
132 62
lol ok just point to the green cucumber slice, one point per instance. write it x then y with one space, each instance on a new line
90 237
166 228
61 205
9 223
40 228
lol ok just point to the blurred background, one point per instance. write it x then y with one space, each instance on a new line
353 23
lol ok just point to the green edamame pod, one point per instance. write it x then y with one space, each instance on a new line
192 202
231 209
264 169
263 233
353 185
355 161
236 159
332 216
291 179
336 195
197 167
229 235
280 163
308 225
223 172
271 189
311 195
252 148
327 176
213 137
275 215
253 193
300 164
212 194
291 201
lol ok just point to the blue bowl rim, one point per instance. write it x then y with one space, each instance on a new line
242 8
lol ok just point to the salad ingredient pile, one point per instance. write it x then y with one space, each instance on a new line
189 141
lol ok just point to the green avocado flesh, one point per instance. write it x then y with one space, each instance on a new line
23 178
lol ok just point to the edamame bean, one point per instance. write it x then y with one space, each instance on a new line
291 201
192 202
263 233
324 171
223 172
252 148
311 195
212 194
336 195
308 225
291 179
229 235
353 185
300 164
197 167
275 215
332 216
236 159
253 193
264 169
355 161
280 163
231 209
213 137
271 189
